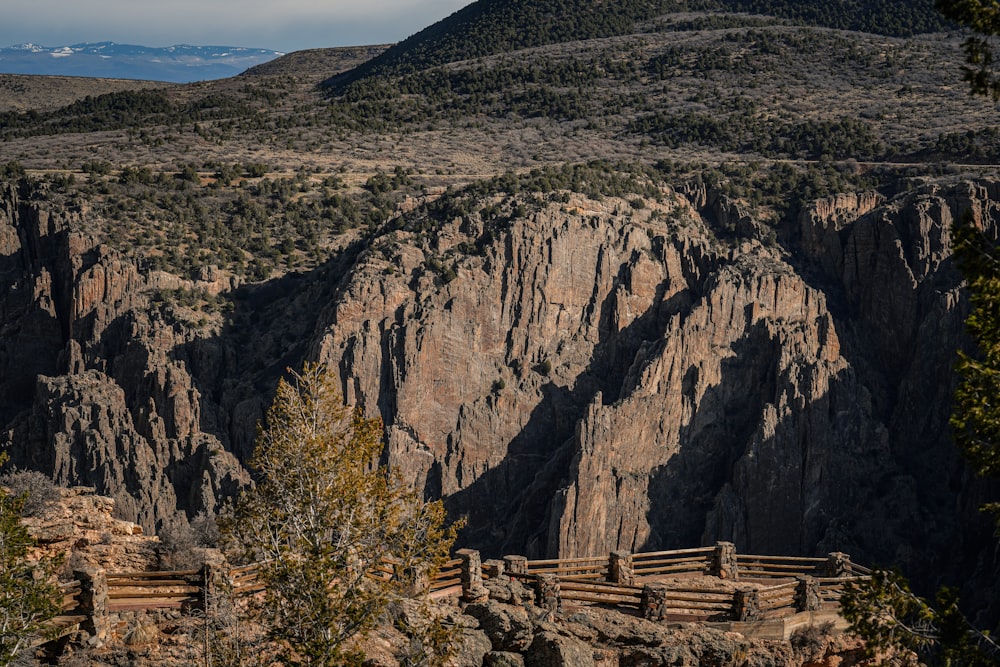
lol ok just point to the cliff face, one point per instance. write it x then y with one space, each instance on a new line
96 385
588 375
603 377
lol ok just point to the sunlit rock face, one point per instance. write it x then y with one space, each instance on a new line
601 377
579 376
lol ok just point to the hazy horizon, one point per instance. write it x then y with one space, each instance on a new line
289 26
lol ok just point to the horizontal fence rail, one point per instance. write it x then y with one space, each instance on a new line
447 582
601 593
689 603
673 562
698 584
777 601
576 568
766 567
831 589
128 591
70 592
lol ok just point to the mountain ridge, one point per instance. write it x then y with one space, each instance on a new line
179 63
489 27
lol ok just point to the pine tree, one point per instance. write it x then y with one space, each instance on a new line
326 522
891 618
982 18
28 595
976 414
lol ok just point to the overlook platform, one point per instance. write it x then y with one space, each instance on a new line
705 584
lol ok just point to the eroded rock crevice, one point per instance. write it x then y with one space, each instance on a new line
586 377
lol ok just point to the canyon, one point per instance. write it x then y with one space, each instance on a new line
648 282
600 373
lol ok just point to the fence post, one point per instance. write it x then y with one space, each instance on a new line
724 564
493 568
807 594
472 576
746 603
210 574
547 591
94 604
516 564
838 564
620 568
654 602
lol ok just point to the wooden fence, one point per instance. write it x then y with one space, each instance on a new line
769 567
681 561
136 591
448 581
571 568
701 584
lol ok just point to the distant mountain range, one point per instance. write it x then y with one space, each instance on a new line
181 63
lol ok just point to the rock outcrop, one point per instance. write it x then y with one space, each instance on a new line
95 384
573 375
603 378
79 528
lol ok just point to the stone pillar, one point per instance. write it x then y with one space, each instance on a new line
746 605
493 569
654 602
547 592
838 564
724 561
516 564
417 580
620 568
472 576
94 605
807 594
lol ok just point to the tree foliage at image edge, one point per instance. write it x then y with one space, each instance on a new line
976 415
884 611
982 17
28 595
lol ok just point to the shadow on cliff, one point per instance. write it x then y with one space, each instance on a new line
683 492
816 477
266 333
36 299
508 508
231 374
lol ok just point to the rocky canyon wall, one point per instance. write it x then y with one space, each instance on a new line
97 386
575 376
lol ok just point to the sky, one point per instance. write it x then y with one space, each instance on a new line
280 25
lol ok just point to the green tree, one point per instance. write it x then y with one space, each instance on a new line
325 521
883 611
982 17
891 618
976 414
28 595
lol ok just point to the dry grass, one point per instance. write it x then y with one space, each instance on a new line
21 92
905 90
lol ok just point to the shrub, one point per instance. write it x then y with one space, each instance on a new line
28 594
37 490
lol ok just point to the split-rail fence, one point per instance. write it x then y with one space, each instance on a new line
702 584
